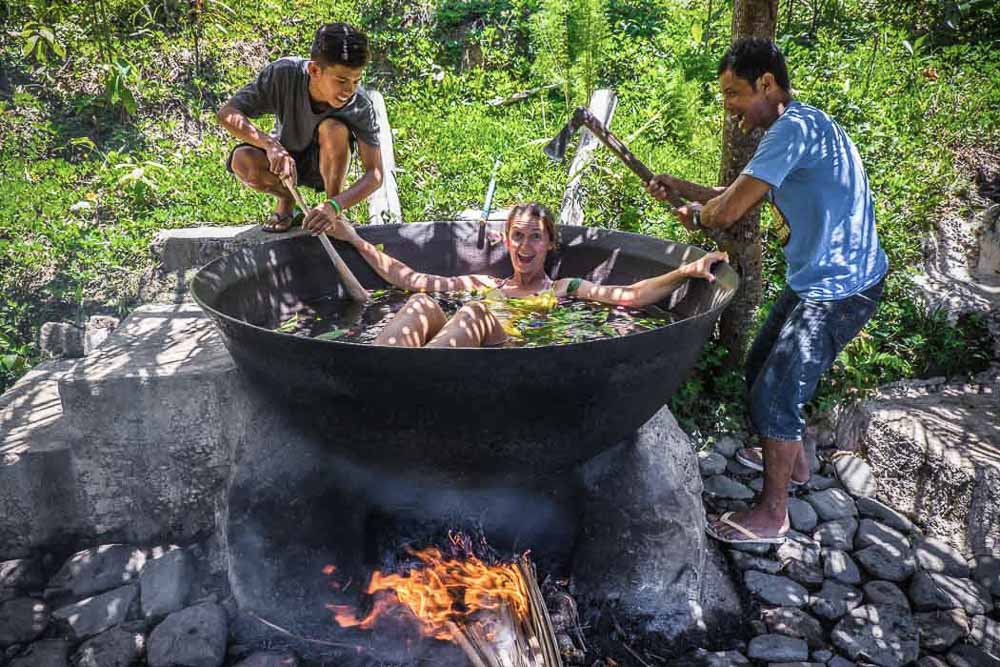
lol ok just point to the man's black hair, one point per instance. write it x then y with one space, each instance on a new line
750 57
340 44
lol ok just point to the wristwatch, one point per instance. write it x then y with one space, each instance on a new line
696 219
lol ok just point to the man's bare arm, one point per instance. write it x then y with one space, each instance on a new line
371 161
664 183
238 125
722 211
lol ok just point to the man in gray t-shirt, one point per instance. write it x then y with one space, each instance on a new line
321 112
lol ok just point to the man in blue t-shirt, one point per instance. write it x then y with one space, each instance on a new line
809 170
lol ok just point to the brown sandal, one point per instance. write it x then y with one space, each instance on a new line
278 223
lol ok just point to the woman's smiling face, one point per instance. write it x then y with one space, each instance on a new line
528 243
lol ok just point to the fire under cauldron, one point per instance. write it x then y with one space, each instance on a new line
352 450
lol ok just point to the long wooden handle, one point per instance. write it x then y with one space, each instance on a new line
351 284
584 117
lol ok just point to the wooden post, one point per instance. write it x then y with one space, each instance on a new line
602 105
383 204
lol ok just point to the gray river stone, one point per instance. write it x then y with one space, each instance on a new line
779 591
44 653
939 630
838 661
886 562
809 575
934 555
987 572
269 659
194 637
832 504
823 655
800 560
794 623
885 593
840 566
801 515
727 445
165 582
872 532
22 619
114 648
985 633
835 600
702 658
874 509
721 486
777 648
965 655
98 569
931 661
710 464
745 561
24 574
820 483
856 475
930 591
837 534
885 636
96 614
734 467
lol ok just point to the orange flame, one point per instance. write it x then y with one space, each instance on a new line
440 594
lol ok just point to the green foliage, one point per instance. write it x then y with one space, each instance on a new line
40 43
570 42
96 158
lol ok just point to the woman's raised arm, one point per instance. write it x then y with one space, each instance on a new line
400 274
645 292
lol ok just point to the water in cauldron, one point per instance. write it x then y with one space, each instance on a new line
570 321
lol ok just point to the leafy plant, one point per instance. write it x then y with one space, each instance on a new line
40 43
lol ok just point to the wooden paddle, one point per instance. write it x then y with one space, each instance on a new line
351 284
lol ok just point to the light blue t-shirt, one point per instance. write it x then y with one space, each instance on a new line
820 188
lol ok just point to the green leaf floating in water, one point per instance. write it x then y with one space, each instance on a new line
333 334
289 325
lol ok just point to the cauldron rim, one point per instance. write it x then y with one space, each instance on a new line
710 312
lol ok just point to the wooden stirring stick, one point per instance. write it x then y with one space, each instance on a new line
351 284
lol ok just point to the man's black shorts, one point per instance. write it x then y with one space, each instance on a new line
306 162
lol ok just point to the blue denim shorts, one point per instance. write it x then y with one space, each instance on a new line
797 344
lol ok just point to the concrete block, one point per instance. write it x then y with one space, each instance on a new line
61 340
154 409
38 505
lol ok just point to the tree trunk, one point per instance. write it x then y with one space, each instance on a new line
751 18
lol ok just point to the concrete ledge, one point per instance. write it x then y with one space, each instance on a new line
193 247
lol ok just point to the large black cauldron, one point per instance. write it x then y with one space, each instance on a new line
464 413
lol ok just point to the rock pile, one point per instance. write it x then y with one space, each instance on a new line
856 582
115 606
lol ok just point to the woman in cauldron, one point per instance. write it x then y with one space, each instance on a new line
529 235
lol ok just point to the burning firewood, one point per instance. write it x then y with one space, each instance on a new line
495 613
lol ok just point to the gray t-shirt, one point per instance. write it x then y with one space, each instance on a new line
282 89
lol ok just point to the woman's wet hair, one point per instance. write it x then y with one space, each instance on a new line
534 211
340 44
